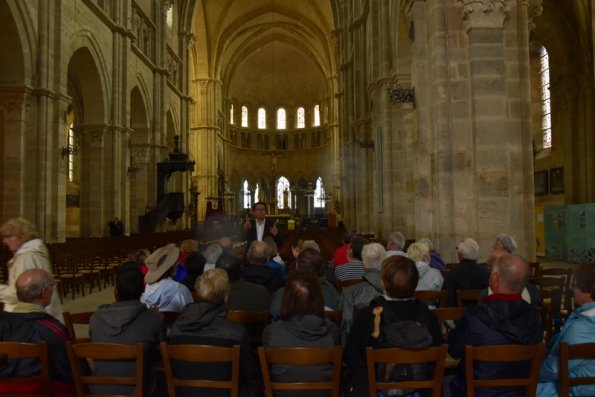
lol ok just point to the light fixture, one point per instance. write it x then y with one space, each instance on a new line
69 150
398 94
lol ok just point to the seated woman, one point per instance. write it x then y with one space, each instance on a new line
397 304
302 324
204 323
430 279
578 328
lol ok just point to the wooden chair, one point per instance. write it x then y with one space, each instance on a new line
436 355
301 356
504 354
573 352
40 384
254 322
201 354
550 292
534 268
444 314
92 352
566 274
471 295
342 284
70 319
439 297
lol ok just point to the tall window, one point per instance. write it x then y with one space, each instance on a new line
244 116
70 142
246 194
282 192
281 122
231 114
316 115
546 121
257 193
319 195
262 119
301 118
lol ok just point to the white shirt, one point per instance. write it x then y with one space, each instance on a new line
259 230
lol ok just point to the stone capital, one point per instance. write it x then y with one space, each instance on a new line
535 9
488 14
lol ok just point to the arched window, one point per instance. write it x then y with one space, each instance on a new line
316 115
282 192
70 146
257 193
281 122
301 118
246 194
262 119
244 116
546 121
319 195
231 114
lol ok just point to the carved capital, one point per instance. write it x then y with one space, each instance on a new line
15 101
485 13
535 8
139 154
190 40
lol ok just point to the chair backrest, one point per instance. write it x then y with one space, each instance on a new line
566 274
469 295
393 356
40 383
535 268
334 316
342 284
504 354
429 295
444 314
201 354
93 352
301 356
573 352
70 319
254 322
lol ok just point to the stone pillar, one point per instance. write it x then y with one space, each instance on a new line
95 171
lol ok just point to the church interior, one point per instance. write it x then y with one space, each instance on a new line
440 118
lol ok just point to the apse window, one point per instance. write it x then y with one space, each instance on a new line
246 194
281 120
319 195
316 115
244 122
262 119
283 195
70 141
231 114
546 120
301 118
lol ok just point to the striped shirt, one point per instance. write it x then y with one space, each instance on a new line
349 271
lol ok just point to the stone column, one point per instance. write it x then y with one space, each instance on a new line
94 179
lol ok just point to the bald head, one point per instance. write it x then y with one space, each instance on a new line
35 286
510 274
258 253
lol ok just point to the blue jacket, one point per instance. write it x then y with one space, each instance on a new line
496 320
579 328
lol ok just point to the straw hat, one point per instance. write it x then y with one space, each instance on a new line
161 261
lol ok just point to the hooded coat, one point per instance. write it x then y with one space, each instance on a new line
301 331
128 322
33 254
496 320
429 278
204 323
578 328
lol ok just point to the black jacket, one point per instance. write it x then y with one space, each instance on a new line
467 276
495 320
260 274
268 224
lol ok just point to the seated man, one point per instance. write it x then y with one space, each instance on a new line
501 318
354 269
395 244
243 295
128 321
29 323
256 271
204 323
468 275
578 328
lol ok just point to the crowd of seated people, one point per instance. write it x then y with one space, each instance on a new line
297 302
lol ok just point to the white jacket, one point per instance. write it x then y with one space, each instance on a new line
31 255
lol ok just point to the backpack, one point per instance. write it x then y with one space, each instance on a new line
406 334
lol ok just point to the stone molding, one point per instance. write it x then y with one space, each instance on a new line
487 14
140 154
16 101
535 9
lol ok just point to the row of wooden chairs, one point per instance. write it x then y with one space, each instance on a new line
296 356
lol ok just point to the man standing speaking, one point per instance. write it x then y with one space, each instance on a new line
258 228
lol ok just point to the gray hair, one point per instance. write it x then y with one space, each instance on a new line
469 249
212 253
372 255
508 242
30 290
397 239
311 244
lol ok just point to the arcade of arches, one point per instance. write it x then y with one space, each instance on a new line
307 104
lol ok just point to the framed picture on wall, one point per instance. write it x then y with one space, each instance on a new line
540 179
557 180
